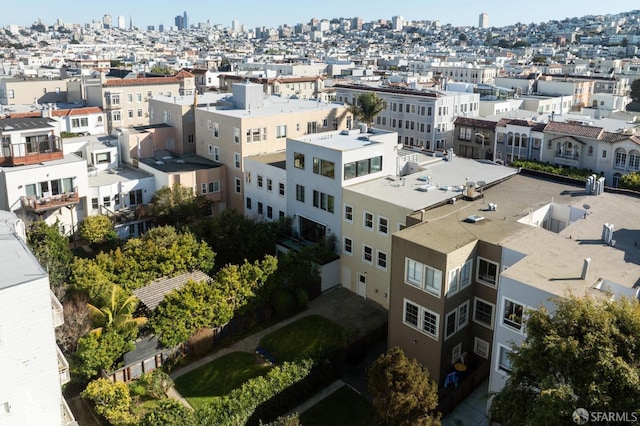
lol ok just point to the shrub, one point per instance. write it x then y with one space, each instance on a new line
112 401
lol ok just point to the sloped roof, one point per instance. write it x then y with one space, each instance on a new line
475 122
574 129
152 294
143 81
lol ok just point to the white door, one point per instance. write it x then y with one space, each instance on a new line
362 285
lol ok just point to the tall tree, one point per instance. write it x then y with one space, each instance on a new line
118 314
97 229
366 107
178 206
584 353
52 251
403 394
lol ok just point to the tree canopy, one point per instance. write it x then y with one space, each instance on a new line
403 394
210 304
584 353
366 107
178 206
97 229
117 314
161 252
52 251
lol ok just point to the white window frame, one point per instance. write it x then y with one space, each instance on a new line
348 213
379 224
454 314
364 220
415 326
216 153
364 252
413 279
433 285
386 260
482 280
493 312
468 267
238 185
454 282
456 352
477 342
509 323
424 311
350 245
500 367
237 160
463 307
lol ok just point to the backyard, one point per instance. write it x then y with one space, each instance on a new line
344 407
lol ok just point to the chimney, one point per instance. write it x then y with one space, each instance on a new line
585 268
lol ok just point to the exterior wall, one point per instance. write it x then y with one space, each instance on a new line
269 198
95 123
294 120
353 265
180 117
144 144
431 128
29 355
547 105
17 178
30 91
122 190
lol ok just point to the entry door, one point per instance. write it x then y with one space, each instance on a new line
362 285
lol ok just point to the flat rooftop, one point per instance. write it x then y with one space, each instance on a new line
67 159
185 163
553 260
273 105
112 176
17 263
346 140
437 182
277 159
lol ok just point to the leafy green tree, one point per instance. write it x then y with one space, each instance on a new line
210 304
583 353
118 314
162 70
178 206
52 251
95 353
403 394
168 412
635 90
112 400
161 252
630 181
366 107
234 237
97 229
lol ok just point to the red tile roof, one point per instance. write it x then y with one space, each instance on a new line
574 129
144 81
475 122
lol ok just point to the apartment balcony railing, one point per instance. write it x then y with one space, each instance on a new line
50 202
68 419
31 152
567 160
63 368
56 308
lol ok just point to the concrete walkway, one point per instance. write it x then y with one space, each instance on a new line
354 313
318 397
472 411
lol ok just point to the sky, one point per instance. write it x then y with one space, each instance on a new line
272 13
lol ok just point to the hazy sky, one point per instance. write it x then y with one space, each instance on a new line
272 13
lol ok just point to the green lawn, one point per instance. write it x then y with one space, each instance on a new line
344 407
303 338
219 377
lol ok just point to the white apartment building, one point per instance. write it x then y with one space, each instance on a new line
33 368
319 166
265 186
422 119
247 124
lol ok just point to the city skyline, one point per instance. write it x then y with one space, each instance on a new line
278 12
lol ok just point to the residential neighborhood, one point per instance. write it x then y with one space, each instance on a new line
211 224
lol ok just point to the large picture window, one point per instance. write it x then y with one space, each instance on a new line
483 312
487 272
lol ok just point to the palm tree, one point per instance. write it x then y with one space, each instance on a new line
119 313
366 107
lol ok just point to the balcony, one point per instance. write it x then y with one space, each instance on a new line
43 204
63 368
567 160
40 149
56 308
68 419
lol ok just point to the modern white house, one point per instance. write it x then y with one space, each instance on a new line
320 165
33 367
265 186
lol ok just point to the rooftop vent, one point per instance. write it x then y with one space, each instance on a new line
474 218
